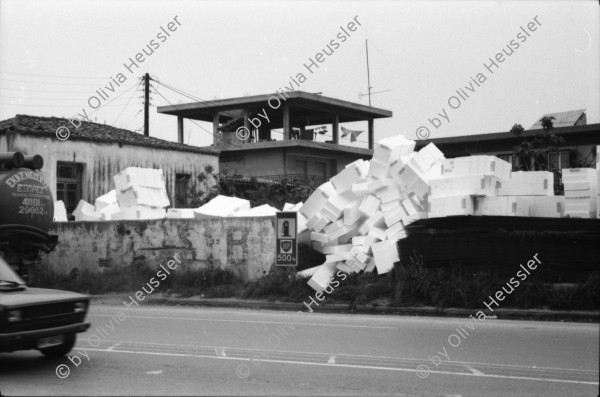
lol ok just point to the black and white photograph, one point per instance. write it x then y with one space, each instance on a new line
300 198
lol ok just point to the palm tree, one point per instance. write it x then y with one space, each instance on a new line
533 151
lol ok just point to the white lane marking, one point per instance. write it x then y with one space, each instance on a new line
331 360
154 372
113 347
350 366
244 321
473 370
351 355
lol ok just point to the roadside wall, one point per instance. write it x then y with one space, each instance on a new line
244 245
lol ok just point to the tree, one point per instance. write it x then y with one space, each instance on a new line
534 150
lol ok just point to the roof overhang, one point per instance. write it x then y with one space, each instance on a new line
295 143
500 136
314 107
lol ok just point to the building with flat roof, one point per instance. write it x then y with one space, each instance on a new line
579 146
245 133
83 166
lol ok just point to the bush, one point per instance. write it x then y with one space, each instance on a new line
282 284
407 284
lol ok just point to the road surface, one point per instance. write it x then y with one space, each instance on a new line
163 350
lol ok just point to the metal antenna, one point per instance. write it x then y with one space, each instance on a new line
368 73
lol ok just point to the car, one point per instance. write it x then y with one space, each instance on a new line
36 318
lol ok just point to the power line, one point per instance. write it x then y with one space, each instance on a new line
45 99
134 117
53 91
127 104
55 76
46 106
193 121
44 82
124 92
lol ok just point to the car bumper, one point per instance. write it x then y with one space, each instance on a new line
28 339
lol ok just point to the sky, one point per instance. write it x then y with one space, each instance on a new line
430 61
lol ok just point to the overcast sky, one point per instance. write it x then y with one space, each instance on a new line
55 54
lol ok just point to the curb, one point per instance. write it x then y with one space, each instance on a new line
501 314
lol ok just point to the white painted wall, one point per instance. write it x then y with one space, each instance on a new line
103 160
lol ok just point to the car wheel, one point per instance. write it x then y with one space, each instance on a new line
60 350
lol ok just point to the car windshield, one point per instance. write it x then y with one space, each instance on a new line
8 276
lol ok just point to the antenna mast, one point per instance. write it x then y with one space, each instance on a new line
368 73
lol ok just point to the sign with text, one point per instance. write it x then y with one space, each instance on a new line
287 240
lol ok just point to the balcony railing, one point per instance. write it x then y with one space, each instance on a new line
302 178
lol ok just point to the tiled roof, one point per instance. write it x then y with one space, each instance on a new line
91 132
562 119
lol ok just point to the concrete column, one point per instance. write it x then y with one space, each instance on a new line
179 129
286 121
371 134
216 128
335 129
247 124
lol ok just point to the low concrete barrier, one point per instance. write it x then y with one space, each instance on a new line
244 245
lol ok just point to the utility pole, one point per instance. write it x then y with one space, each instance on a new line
146 104
368 75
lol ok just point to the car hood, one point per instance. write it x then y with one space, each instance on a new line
38 295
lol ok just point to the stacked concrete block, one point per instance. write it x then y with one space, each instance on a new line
440 207
385 254
139 212
416 174
357 218
323 276
140 193
580 192
475 185
134 176
60 212
106 200
391 149
503 205
477 165
222 206
302 221
144 196
366 206
107 212
86 212
180 213
317 200
261 210
546 206
354 172
528 183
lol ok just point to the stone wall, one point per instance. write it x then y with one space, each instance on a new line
244 245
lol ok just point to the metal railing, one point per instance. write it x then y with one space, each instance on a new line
303 178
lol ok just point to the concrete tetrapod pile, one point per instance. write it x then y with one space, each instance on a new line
359 215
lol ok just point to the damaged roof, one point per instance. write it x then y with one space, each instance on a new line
91 132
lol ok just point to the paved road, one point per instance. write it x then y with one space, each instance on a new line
161 350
